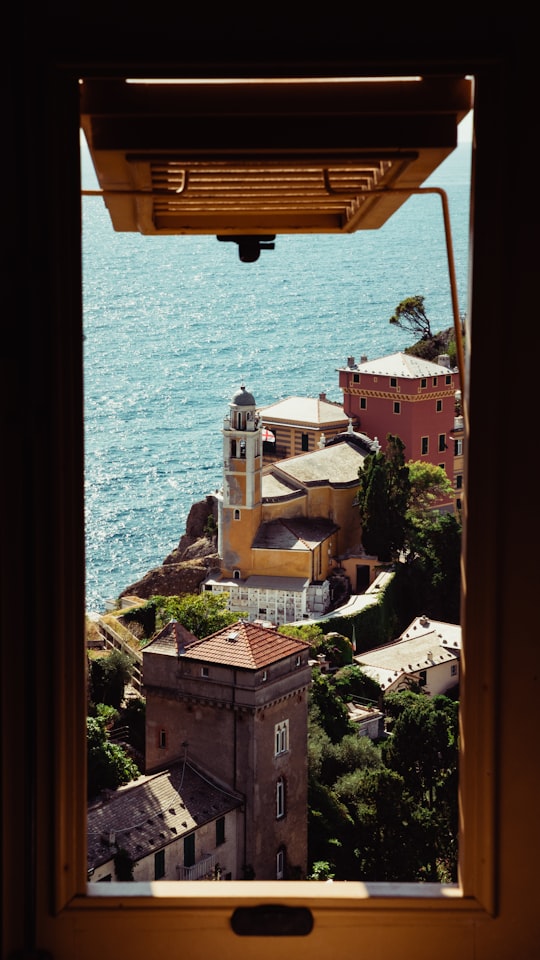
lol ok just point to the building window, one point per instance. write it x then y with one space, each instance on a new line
423 383
458 504
397 407
280 798
281 737
236 514
162 740
439 406
448 379
435 381
280 863
220 831
363 403
425 445
305 441
442 442
356 378
458 448
204 672
298 661
459 481
453 669
236 574
159 864
393 381
189 850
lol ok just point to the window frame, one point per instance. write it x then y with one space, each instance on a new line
220 831
281 799
281 738
159 864
70 904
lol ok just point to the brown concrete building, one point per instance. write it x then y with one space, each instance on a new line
235 704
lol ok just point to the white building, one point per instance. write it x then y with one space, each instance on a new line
427 653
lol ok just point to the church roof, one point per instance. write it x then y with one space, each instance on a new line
243 398
336 464
294 533
402 365
246 645
308 411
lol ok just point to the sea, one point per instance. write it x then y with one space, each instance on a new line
174 325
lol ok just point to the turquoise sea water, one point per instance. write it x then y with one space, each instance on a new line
174 325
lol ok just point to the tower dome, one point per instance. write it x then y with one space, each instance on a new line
243 398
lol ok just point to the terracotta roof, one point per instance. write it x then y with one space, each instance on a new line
246 645
174 637
153 811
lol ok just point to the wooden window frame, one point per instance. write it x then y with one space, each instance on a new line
66 910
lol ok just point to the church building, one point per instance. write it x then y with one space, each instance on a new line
288 531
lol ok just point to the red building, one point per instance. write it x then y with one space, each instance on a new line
408 397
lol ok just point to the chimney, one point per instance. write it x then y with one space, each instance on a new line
350 362
322 396
443 360
363 359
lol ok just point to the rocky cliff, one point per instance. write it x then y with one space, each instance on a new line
184 569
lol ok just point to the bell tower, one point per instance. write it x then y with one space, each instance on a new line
242 479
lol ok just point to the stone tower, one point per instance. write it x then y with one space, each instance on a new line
241 506
236 704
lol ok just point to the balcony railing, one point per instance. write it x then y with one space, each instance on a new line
199 871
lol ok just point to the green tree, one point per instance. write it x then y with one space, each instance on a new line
428 485
334 647
383 498
108 765
201 613
310 633
108 678
351 682
381 811
423 745
327 708
433 570
411 316
329 823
